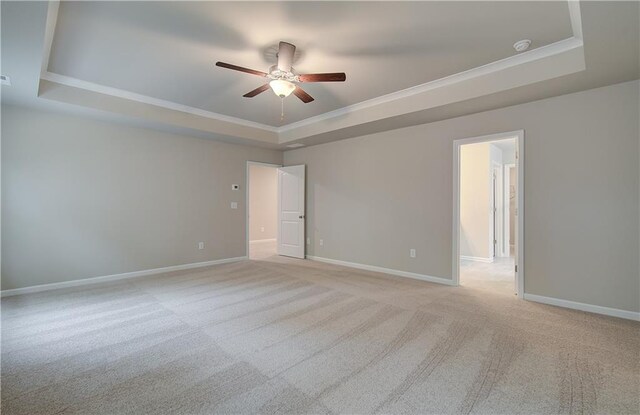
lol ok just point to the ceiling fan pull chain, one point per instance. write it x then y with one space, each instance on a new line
282 109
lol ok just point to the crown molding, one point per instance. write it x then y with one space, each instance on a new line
496 66
383 106
144 99
49 31
576 18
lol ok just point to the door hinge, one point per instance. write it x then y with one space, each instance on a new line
516 268
516 155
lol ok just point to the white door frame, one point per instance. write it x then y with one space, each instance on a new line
507 208
497 217
519 136
248 195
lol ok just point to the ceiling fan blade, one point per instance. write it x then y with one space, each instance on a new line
323 77
256 91
285 56
304 97
240 68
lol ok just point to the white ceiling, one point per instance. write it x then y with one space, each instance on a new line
507 146
166 50
110 50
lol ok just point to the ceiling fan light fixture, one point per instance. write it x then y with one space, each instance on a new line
283 80
282 88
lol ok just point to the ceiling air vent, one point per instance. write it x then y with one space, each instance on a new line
522 45
5 80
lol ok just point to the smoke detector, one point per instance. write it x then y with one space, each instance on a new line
522 45
5 80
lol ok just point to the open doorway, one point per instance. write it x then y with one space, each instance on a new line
275 210
488 193
262 210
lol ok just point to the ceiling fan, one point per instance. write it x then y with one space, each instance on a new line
282 77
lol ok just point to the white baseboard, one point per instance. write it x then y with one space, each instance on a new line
115 277
373 268
477 259
607 311
630 315
262 240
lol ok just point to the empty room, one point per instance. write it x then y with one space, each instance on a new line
317 207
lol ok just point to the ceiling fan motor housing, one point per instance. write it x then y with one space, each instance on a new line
275 73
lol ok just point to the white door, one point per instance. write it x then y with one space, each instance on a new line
291 211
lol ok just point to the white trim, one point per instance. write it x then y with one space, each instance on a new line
492 67
50 26
389 271
49 31
257 241
519 232
543 52
590 308
507 208
246 204
132 96
455 240
508 62
497 214
477 259
576 18
115 277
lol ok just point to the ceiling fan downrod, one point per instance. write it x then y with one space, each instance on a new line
282 109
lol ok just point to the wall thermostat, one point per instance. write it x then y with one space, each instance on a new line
235 187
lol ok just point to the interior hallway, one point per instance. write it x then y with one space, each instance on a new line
262 249
497 276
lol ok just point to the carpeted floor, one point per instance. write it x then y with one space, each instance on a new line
290 336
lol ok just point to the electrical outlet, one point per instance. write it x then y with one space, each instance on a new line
308 241
412 253
321 242
200 245
262 229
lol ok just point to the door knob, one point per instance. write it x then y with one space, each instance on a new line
301 217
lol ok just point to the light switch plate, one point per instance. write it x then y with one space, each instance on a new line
234 205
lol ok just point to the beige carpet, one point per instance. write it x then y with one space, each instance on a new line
290 336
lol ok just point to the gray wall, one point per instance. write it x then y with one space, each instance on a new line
372 198
83 198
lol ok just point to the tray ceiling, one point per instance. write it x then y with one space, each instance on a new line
166 50
151 64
